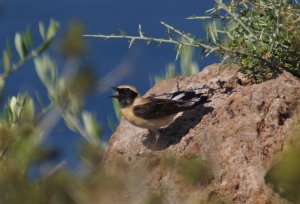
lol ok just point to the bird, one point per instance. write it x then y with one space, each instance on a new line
154 113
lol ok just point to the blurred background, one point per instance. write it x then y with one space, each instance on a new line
106 17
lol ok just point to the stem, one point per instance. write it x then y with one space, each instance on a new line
191 40
223 6
159 40
30 56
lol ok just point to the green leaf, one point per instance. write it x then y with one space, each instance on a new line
52 29
28 109
9 115
42 30
117 109
2 83
69 118
13 109
6 61
111 124
21 109
27 39
188 67
90 124
170 71
20 46
46 70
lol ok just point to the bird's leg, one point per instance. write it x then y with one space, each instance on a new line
156 134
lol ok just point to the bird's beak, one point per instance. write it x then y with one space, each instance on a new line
115 89
113 96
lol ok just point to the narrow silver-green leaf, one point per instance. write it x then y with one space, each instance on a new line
19 46
42 30
90 124
69 121
28 110
116 107
2 83
170 71
46 70
27 39
13 109
52 29
6 62
111 124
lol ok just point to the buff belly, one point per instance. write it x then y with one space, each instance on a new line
149 123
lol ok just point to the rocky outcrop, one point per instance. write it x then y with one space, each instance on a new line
238 135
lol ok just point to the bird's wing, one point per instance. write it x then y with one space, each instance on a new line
156 108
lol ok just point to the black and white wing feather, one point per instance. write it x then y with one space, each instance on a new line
189 96
183 95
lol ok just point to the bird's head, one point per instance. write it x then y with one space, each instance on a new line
126 95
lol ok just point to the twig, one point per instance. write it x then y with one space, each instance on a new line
130 37
224 7
52 171
30 56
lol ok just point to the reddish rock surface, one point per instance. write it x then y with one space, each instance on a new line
239 134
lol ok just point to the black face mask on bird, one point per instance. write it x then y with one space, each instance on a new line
125 96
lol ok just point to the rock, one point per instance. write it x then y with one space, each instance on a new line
239 135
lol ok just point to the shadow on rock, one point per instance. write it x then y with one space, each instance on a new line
175 131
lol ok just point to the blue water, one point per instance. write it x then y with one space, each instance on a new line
101 16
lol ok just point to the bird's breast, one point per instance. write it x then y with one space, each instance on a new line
147 123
